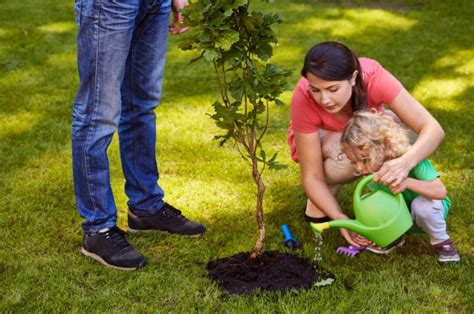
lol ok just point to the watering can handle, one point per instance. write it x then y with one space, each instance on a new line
360 188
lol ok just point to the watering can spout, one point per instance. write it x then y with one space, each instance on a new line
319 227
353 225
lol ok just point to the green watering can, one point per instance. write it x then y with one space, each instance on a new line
381 216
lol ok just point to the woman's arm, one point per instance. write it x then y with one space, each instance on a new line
430 135
311 161
310 158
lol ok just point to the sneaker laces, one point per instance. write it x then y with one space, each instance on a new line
447 248
171 211
118 236
444 246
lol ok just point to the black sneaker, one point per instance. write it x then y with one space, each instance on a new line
111 248
167 219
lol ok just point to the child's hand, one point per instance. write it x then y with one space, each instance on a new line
395 189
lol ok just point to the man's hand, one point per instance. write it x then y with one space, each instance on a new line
178 18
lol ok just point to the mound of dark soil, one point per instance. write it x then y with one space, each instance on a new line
273 271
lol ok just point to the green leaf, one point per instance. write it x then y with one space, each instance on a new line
187 44
264 51
273 157
240 2
276 166
236 89
223 113
211 54
228 12
248 24
263 155
205 36
278 102
223 138
226 39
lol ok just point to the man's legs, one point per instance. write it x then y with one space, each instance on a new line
141 94
105 33
103 43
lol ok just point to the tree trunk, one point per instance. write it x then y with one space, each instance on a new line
258 249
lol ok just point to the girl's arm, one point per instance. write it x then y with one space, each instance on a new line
434 189
430 135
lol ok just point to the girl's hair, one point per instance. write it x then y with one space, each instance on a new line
375 133
332 61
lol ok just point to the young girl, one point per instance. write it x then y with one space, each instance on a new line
372 138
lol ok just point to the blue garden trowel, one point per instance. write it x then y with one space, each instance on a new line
289 242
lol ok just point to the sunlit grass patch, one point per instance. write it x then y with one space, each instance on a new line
62 60
347 23
61 27
460 61
448 85
17 123
442 89
4 32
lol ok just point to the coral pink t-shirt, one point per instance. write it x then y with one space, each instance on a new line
307 116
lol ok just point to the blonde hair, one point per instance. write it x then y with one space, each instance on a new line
377 134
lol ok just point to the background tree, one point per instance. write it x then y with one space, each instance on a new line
239 42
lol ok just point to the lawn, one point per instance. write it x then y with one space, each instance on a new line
427 45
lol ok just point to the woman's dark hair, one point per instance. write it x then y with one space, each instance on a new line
333 61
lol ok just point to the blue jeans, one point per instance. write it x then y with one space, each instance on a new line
121 50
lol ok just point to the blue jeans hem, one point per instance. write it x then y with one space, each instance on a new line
151 211
95 229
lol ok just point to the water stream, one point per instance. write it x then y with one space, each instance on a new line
318 243
323 279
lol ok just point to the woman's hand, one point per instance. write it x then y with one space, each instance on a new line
347 235
355 239
393 172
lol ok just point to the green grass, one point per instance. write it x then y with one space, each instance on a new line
429 47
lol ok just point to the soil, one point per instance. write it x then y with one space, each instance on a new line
272 271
